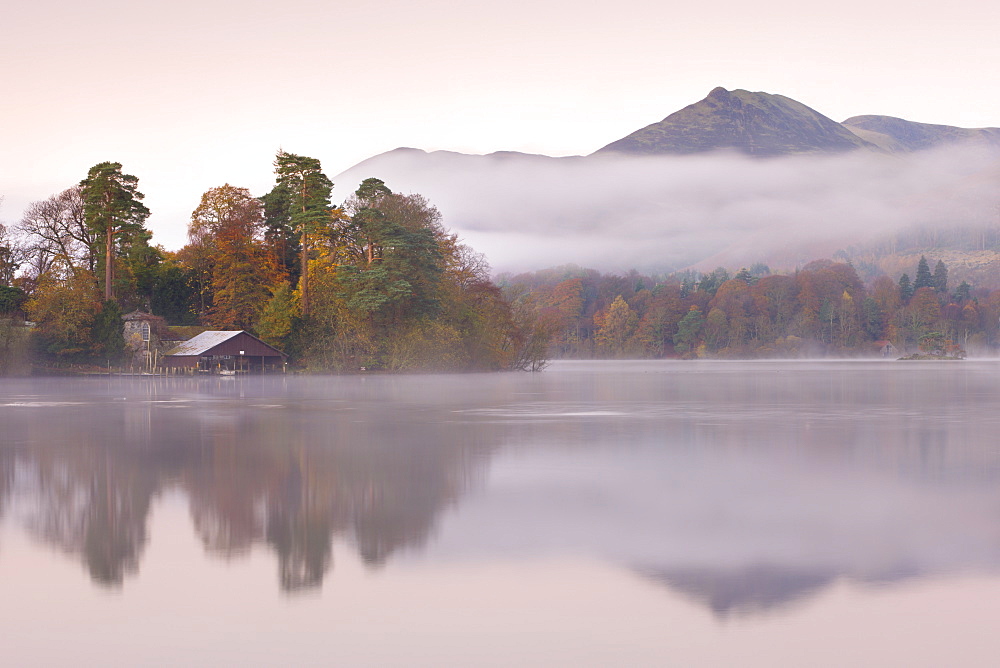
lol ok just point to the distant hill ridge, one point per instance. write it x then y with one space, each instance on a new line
897 135
756 124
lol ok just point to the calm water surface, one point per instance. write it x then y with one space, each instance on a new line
599 513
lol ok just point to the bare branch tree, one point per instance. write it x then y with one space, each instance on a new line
58 238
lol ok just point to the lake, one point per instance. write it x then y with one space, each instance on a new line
595 514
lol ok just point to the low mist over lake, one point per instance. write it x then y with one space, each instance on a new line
641 513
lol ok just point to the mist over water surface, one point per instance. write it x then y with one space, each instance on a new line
584 514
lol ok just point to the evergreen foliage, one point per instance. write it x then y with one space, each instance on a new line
306 189
688 331
924 277
962 292
940 277
106 332
905 288
710 282
113 212
11 299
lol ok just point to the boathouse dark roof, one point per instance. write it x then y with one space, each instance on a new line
224 343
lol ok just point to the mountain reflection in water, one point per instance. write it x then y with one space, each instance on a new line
745 487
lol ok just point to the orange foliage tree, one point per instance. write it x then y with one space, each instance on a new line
226 232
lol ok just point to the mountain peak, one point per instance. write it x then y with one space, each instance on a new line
755 123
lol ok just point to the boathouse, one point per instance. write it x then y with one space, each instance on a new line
886 349
226 353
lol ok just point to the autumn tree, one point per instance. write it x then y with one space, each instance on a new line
921 314
617 325
228 225
278 317
775 295
562 307
113 211
734 300
660 321
64 311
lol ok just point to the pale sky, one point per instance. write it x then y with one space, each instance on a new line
189 95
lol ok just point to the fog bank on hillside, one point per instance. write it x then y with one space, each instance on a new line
618 212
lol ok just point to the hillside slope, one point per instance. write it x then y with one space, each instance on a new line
758 124
898 135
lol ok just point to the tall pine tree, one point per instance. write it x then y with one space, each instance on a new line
941 277
924 277
113 211
308 190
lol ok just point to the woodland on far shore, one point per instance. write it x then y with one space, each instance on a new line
821 309
378 282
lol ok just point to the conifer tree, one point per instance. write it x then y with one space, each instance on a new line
924 277
905 288
962 292
308 190
941 278
113 210
745 276
688 331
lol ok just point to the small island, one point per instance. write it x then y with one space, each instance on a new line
936 346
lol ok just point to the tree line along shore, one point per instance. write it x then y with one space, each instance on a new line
821 309
377 282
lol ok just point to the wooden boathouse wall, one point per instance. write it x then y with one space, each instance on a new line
210 349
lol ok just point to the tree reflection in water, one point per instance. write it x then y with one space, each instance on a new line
745 488
290 479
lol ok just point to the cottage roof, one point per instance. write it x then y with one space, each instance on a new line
203 343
